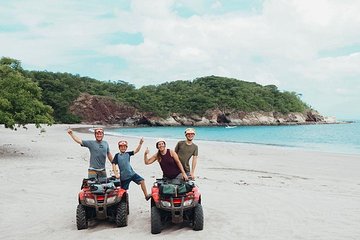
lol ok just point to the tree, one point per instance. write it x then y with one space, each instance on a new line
20 98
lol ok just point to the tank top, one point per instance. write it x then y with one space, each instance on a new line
168 165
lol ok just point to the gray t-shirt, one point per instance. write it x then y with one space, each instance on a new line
98 153
123 161
185 152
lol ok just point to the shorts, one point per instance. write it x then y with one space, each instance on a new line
135 178
96 174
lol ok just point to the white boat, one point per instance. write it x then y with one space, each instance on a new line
227 126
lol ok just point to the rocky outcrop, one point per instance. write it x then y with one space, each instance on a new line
105 110
217 117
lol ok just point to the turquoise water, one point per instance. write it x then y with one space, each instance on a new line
339 138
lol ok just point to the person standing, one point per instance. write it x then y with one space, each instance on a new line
121 163
187 149
168 160
99 149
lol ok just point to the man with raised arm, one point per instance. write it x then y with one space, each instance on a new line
99 149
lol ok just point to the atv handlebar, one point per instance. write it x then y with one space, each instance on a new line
169 179
173 181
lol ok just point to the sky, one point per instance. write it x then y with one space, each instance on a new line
309 47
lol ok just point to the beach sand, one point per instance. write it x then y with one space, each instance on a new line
248 191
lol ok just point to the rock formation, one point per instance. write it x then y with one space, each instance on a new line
104 110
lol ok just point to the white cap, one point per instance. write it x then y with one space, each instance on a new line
189 130
159 140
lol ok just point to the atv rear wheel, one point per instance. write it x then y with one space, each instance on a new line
121 214
198 221
155 220
81 221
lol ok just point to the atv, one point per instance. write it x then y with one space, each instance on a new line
176 201
102 199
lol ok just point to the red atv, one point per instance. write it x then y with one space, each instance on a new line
178 201
102 199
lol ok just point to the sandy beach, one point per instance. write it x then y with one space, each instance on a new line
248 191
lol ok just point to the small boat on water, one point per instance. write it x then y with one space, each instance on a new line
227 126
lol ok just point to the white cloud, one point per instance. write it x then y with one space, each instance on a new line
279 45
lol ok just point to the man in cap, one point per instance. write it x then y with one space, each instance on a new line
99 149
187 149
123 170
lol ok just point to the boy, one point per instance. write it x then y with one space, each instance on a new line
121 162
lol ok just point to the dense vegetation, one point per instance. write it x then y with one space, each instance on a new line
20 98
59 90
227 94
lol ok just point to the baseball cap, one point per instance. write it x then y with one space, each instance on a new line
190 130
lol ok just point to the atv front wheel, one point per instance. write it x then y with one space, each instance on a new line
155 220
81 221
121 214
198 221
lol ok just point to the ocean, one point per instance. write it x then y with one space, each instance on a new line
336 138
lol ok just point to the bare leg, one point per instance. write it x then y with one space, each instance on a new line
143 188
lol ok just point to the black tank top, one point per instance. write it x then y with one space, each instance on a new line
168 165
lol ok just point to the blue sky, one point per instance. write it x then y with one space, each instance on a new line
310 47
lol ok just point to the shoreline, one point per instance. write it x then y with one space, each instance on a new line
107 125
248 191
323 148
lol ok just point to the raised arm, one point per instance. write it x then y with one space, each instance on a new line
72 135
178 163
139 146
150 160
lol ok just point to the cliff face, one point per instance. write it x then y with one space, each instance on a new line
104 110
101 110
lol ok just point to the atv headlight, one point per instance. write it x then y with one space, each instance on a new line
188 202
111 199
165 203
90 201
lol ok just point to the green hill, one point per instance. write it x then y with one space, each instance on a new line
183 97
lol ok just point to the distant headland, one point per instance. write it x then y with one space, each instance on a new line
48 97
